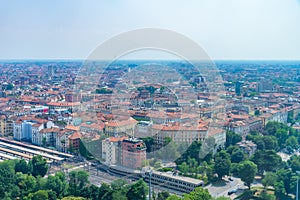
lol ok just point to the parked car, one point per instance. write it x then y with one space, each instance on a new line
232 192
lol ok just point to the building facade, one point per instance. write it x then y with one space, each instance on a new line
133 153
111 150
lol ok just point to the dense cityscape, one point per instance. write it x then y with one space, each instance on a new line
150 100
135 130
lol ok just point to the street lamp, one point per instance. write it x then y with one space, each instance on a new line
297 190
150 194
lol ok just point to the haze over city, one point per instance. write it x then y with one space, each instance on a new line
232 29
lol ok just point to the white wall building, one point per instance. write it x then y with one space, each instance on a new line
111 150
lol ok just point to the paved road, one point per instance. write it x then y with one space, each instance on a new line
223 187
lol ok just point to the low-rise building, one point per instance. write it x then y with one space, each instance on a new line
248 147
6 125
114 127
47 137
179 132
29 129
239 127
62 141
219 135
74 141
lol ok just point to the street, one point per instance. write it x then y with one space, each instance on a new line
223 187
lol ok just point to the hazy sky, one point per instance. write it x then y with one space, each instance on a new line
226 29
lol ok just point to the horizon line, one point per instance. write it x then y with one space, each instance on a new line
139 59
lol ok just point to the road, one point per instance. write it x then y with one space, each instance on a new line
223 187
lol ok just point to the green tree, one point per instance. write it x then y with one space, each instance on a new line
183 168
285 176
13 193
51 195
292 142
77 181
39 195
157 164
198 193
150 143
145 163
221 198
22 166
193 165
57 183
260 144
281 136
267 160
272 127
118 184
231 149
294 163
26 183
247 171
264 142
40 183
163 195
222 164
174 197
73 198
193 151
94 192
265 196
138 191
210 173
104 190
280 190
237 156
232 138
270 142
39 166
279 130
269 179
85 192
7 177
234 170
119 195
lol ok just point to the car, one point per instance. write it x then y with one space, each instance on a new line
230 178
231 192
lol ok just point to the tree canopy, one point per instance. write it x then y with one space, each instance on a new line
222 164
247 171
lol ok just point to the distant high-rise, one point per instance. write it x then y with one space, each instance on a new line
265 86
238 86
50 72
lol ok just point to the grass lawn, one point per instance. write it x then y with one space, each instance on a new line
67 166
